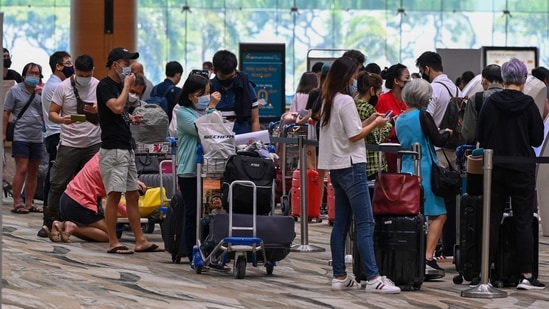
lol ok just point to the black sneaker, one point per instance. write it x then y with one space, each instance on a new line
433 264
530 284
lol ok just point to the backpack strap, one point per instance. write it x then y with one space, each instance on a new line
168 90
449 92
479 99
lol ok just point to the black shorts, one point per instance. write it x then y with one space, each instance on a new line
74 212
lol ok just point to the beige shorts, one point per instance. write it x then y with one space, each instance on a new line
118 170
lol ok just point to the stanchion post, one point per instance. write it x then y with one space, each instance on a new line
304 246
484 289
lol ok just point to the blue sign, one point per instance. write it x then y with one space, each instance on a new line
266 70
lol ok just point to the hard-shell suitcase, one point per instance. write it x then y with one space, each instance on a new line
399 244
313 195
172 229
506 272
467 253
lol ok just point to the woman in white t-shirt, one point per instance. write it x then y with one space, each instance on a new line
343 152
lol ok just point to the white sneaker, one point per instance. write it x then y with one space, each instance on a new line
345 284
382 285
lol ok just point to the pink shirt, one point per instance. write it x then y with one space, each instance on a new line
87 186
299 102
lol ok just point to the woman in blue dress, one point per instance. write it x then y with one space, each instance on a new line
415 125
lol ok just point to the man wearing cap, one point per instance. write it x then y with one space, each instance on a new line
116 156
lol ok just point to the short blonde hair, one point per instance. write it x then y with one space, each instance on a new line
417 93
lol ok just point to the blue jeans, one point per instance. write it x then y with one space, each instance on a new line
352 198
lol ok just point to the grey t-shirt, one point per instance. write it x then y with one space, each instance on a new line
29 127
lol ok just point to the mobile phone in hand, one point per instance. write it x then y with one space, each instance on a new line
388 114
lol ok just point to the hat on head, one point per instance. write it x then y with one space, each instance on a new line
120 53
325 68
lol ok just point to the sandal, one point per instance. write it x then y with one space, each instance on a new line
35 209
59 227
52 237
20 209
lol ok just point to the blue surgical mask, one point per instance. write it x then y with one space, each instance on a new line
32 81
203 102
352 88
125 71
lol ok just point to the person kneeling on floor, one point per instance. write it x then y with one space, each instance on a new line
80 207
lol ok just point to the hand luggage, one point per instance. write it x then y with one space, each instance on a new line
313 195
399 244
261 171
277 233
468 250
505 272
172 228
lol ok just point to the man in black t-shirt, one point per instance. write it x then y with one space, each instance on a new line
116 156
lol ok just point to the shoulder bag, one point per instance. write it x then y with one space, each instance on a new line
445 182
11 124
91 117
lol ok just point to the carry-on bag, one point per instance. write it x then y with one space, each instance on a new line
172 228
313 194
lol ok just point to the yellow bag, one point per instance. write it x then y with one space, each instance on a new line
150 201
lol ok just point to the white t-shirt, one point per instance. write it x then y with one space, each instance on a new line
439 102
336 151
78 134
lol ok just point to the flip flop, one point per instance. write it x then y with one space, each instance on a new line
20 209
52 237
120 250
34 209
151 248
62 234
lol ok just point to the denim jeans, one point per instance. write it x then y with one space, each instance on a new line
352 199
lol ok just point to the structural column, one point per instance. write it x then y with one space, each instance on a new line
97 26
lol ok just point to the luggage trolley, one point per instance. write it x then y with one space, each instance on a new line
243 248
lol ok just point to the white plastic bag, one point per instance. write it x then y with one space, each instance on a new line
216 137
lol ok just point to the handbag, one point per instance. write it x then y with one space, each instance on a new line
444 182
10 130
147 164
397 194
90 117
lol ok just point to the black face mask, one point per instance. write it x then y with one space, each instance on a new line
68 71
373 100
7 63
425 76
225 82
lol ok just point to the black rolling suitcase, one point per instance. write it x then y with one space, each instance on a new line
505 272
172 229
399 244
467 253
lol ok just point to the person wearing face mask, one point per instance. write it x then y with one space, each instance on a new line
194 100
168 88
27 145
239 102
61 68
10 74
368 88
395 77
117 154
79 140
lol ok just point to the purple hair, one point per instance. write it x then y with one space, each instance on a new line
514 72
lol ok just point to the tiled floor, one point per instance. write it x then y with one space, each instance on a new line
37 273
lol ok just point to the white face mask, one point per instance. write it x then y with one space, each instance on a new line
132 97
82 81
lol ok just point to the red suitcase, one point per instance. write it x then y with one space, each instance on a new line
313 195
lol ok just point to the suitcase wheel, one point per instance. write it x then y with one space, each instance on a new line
457 279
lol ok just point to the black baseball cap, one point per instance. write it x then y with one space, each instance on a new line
120 53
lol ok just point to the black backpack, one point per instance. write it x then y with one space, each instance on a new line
453 118
259 170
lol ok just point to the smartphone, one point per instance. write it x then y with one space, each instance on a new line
388 114
78 118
